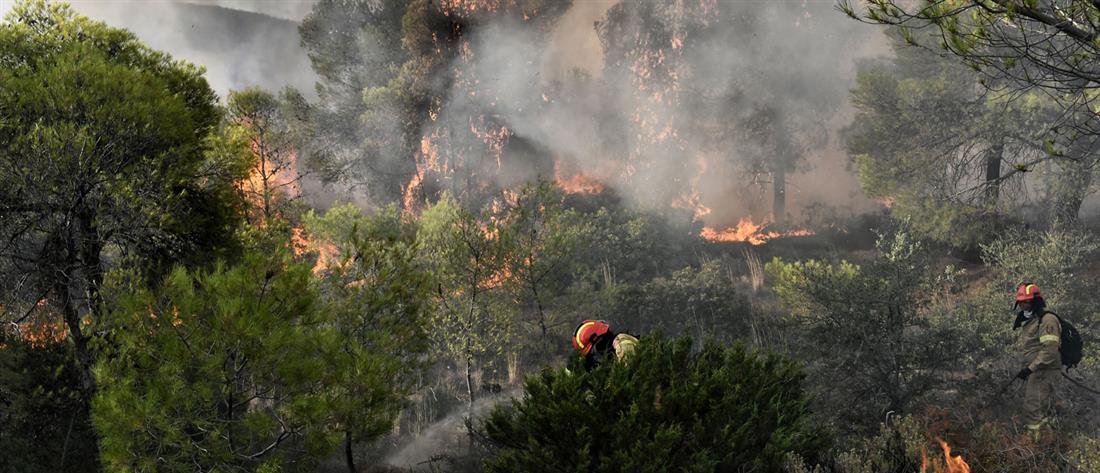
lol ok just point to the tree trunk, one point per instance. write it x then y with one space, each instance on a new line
993 173
83 352
78 287
470 405
547 346
1073 181
347 452
779 194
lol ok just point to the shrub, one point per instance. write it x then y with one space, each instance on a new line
885 327
666 408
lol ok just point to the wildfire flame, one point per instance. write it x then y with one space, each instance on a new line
750 232
43 334
950 464
575 182
41 328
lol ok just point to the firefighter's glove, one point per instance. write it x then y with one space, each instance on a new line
1024 373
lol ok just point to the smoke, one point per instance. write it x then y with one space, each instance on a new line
661 115
669 124
448 435
241 43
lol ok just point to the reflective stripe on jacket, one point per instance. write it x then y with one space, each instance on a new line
1040 338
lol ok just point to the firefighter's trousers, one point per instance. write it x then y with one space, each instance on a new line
1039 397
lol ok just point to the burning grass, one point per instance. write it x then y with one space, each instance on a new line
750 232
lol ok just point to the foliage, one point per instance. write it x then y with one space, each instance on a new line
703 76
271 129
218 370
1033 45
851 316
697 301
1054 259
378 291
102 150
466 254
44 426
948 153
667 408
391 65
545 241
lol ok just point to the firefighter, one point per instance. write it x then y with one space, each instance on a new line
1039 341
596 341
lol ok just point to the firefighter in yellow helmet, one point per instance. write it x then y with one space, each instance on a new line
1040 338
596 341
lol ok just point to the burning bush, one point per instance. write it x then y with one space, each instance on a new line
667 408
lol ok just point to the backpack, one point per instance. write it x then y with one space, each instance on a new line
1072 345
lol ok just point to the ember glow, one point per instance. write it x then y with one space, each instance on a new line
950 464
749 232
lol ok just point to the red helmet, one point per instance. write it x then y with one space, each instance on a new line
586 334
1027 292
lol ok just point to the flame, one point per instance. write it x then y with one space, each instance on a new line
494 138
469 7
692 200
495 280
575 182
273 179
41 327
302 243
950 464
749 232
426 160
43 334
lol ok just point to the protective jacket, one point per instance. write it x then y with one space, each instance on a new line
1040 337
620 347
624 345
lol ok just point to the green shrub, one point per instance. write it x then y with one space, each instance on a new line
667 408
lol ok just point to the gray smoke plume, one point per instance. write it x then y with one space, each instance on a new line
795 58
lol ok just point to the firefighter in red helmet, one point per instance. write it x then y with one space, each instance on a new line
1040 338
595 340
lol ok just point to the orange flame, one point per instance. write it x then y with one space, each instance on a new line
43 334
41 328
575 183
273 179
749 232
426 160
302 243
950 464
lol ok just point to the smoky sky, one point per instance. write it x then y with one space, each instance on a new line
241 43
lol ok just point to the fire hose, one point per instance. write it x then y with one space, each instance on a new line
1080 384
1075 382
